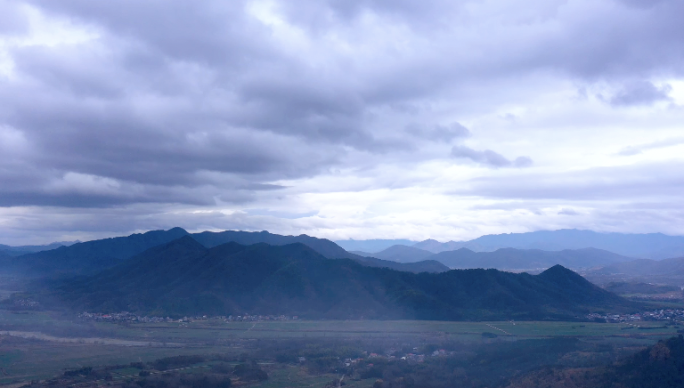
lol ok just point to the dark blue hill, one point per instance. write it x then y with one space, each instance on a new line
183 277
323 246
88 257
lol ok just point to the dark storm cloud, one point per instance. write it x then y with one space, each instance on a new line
489 157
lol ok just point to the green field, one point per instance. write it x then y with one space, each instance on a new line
37 351
197 331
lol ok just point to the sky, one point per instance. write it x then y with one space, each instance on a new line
340 118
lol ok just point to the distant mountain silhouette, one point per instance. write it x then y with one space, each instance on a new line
510 258
645 267
372 246
651 246
402 254
435 246
325 247
90 256
183 277
24 249
505 258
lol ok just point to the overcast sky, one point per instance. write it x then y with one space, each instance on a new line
340 118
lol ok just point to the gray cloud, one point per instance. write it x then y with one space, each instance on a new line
640 93
568 212
443 133
12 20
201 104
661 181
489 157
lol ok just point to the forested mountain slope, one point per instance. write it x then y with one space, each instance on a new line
184 277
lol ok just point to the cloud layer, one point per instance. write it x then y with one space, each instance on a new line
357 119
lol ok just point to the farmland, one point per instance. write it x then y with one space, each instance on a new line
39 345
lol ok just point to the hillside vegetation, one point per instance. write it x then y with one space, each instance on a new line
184 277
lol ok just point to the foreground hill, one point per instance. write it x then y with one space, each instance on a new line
658 366
510 258
90 256
184 277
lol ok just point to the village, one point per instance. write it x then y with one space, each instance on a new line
670 315
126 317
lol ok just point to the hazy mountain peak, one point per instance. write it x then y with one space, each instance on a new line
185 241
562 275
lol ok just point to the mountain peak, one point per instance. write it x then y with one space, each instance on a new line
561 275
186 241
557 270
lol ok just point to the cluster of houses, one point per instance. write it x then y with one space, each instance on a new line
125 316
656 315
25 303
414 356
390 355
260 318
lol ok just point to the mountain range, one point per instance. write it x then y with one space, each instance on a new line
652 246
504 258
185 277
373 246
88 257
521 259
644 267
92 256
6 250
398 253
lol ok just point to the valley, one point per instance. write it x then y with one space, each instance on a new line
24 357
172 309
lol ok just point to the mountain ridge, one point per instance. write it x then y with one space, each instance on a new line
648 245
521 259
325 247
296 280
89 256
92 256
